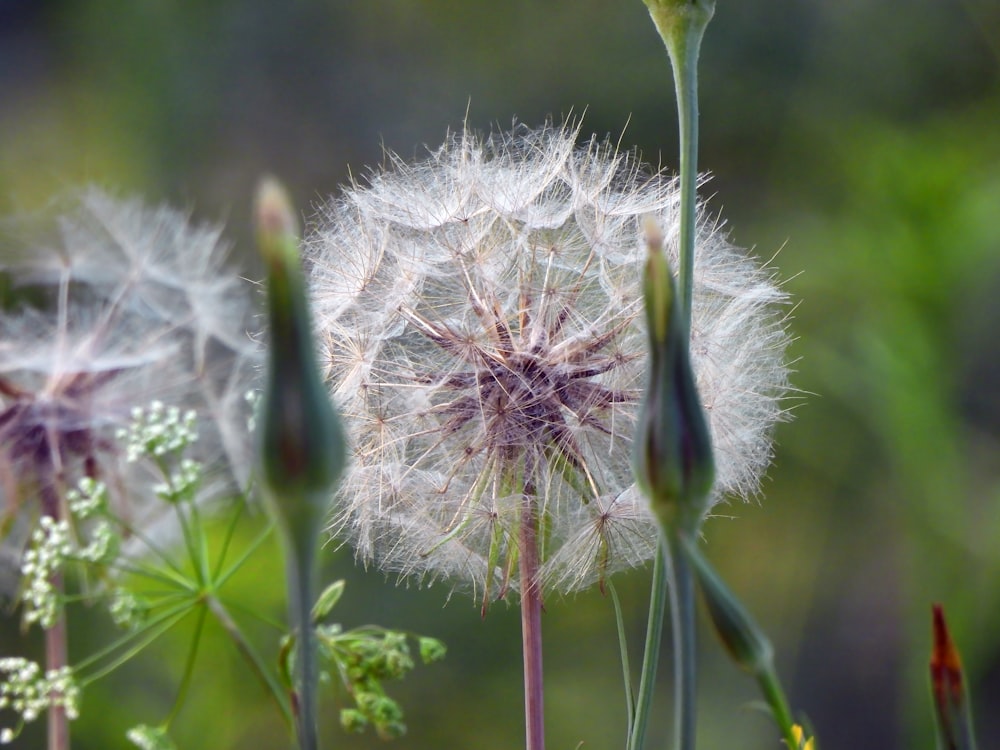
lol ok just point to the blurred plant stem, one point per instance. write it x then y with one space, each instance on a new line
651 650
682 610
302 448
56 658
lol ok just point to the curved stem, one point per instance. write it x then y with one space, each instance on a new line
626 668
651 651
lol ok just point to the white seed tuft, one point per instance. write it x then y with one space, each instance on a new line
479 314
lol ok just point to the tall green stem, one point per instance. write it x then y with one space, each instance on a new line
682 617
651 651
682 24
301 567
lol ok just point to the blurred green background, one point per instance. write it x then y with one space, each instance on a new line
859 141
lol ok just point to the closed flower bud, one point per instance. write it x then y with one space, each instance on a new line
672 452
302 444
739 633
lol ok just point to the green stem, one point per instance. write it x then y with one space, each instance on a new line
746 643
188 666
253 659
774 695
301 567
682 613
651 651
682 24
130 645
626 670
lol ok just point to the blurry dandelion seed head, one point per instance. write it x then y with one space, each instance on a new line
116 305
480 318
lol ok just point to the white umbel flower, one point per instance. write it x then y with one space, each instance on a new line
480 318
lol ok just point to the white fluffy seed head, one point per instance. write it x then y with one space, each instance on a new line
123 304
480 319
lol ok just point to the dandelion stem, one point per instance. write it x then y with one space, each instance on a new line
253 659
531 623
56 636
56 657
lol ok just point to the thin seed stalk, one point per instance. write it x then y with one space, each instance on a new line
56 657
651 651
531 623
56 636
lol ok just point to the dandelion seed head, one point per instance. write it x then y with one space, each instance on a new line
480 321
132 315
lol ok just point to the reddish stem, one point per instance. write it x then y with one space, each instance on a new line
56 657
531 625
56 637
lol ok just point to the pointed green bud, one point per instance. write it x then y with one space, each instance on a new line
327 600
303 447
743 639
672 453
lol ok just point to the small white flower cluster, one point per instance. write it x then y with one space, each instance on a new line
87 498
182 483
126 610
149 738
28 692
158 431
51 545
103 545
130 304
